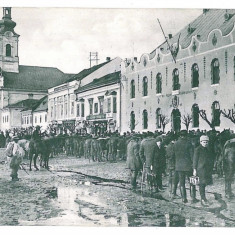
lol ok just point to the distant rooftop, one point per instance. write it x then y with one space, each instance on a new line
34 78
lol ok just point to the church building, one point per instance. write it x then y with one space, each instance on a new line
20 82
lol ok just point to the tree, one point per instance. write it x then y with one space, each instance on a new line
164 121
187 119
229 115
204 117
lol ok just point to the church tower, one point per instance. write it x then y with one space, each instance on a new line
9 60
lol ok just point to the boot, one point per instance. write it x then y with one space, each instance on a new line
193 194
183 194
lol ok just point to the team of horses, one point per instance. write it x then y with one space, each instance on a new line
224 149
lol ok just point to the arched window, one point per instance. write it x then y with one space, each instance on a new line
215 78
195 76
145 119
215 113
158 118
132 89
175 80
8 50
145 86
159 83
132 121
195 115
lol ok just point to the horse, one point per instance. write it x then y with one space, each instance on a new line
35 149
228 158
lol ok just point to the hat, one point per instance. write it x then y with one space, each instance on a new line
14 137
158 139
204 138
183 132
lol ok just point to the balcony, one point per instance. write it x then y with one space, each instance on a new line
97 116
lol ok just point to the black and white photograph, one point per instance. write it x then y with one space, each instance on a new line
117 117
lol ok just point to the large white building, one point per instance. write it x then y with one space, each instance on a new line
202 78
62 104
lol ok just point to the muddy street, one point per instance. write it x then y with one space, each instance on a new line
76 192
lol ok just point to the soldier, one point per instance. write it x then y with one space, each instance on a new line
173 177
133 159
16 153
183 154
147 148
203 165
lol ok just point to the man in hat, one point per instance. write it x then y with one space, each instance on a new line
133 159
202 166
16 153
183 155
159 163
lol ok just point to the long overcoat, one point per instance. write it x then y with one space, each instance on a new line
133 159
183 155
147 148
203 163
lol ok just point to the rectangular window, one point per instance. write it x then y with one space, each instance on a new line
83 110
45 117
40 118
51 111
109 105
78 110
96 108
72 108
114 105
35 119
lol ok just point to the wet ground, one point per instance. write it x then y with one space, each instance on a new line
76 192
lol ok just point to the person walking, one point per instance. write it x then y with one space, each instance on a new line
202 167
183 155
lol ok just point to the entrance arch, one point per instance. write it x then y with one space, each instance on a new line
176 120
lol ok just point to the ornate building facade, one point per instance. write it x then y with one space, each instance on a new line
198 73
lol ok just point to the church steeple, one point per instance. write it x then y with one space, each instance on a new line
9 60
6 13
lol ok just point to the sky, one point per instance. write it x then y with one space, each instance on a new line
63 37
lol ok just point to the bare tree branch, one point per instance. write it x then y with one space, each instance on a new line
204 117
187 119
164 121
229 115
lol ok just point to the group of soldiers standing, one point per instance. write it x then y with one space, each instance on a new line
180 159
177 156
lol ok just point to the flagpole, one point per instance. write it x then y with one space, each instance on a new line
166 40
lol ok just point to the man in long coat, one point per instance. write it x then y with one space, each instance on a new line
183 155
147 148
203 165
133 159
159 163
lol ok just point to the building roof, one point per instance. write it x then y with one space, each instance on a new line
34 78
24 104
85 72
202 26
106 80
42 105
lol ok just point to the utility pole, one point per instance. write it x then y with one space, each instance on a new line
93 57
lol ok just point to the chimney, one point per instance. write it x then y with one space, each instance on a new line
108 58
30 96
205 11
170 36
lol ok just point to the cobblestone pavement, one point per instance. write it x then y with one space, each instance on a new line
76 192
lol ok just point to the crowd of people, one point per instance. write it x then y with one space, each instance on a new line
185 155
